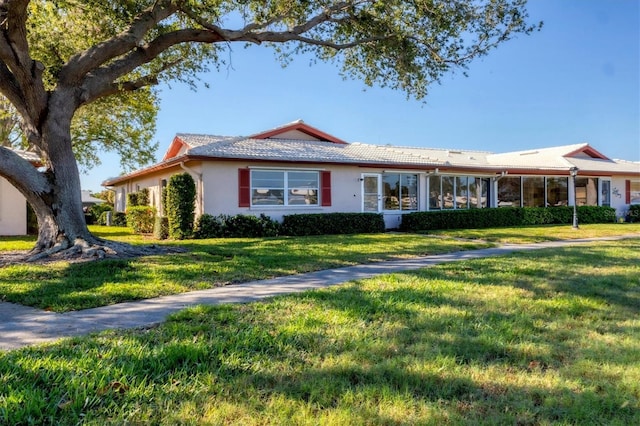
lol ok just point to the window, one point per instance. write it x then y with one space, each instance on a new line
509 192
533 191
586 191
557 191
400 191
478 192
605 192
462 192
447 191
284 188
435 193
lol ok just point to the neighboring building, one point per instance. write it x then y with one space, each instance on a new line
297 168
13 206
88 200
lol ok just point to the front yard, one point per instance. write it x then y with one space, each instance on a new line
544 337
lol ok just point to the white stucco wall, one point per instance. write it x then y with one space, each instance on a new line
13 210
221 196
618 201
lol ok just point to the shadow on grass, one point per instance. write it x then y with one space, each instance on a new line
415 347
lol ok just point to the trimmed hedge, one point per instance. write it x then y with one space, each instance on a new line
239 226
161 228
332 223
498 217
180 205
141 219
140 198
633 215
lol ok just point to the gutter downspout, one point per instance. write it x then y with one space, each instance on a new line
199 189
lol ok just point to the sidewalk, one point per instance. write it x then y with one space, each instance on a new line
23 326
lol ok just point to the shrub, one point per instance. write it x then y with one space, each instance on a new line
332 223
239 226
497 217
119 219
140 198
181 205
633 215
141 219
208 226
596 214
98 211
32 221
161 228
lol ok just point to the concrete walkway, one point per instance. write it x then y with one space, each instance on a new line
23 326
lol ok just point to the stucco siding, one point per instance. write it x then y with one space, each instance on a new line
13 210
221 190
618 201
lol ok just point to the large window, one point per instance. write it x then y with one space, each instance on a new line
462 192
284 188
400 191
533 191
557 191
586 191
435 193
509 192
458 192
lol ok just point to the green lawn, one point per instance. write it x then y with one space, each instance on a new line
208 263
544 337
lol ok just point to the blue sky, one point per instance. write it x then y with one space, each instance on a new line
577 80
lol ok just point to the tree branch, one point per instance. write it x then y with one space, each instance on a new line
21 75
21 173
96 56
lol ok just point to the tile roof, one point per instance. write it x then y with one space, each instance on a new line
560 158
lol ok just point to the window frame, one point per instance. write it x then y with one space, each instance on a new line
286 189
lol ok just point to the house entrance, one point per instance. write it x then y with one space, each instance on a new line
371 193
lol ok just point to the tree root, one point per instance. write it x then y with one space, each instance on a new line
84 251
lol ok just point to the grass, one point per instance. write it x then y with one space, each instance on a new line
536 234
209 263
62 287
544 337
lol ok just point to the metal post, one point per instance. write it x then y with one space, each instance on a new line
574 173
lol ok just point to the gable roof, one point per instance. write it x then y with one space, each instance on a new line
297 126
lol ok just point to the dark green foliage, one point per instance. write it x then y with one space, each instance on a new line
332 223
499 217
141 219
32 221
119 219
633 215
97 211
596 214
161 228
239 226
140 198
180 205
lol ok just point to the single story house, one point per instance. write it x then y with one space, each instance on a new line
13 206
297 168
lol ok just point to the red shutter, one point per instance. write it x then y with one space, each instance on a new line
325 185
244 188
627 192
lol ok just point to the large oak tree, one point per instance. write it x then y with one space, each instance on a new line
65 62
